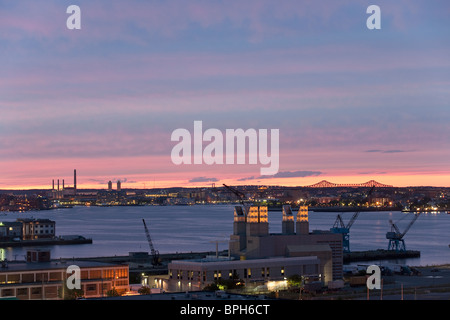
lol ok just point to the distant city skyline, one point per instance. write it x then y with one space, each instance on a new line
351 104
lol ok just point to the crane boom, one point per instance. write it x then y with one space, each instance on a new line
154 253
395 228
410 223
352 220
239 194
355 215
149 239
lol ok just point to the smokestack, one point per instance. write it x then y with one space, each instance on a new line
58 184
53 184
302 220
75 179
63 184
287 223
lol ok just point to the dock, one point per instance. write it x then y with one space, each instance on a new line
45 242
379 254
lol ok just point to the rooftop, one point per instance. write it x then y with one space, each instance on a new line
16 266
192 295
221 262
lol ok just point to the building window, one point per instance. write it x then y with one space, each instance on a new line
21 292
36 290
121 273
13 278
51 292
91 287
282 271
95 274
84 274
7 292
121 283
108 274
27 277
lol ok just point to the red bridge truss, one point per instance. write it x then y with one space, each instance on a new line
371 183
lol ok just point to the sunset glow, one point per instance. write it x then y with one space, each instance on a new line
351 104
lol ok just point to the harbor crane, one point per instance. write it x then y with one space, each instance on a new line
340 227
154 253
395 236
239 194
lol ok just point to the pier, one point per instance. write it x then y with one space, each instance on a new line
379 254
45 242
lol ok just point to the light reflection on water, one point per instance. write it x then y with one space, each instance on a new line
119 230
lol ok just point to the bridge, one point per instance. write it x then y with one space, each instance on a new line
369 184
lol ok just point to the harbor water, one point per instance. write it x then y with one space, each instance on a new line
116 231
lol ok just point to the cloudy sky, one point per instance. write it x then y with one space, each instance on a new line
351 104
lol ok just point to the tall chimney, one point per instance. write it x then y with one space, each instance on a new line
63 185
58 184
75 179
302 220
53 184
287 223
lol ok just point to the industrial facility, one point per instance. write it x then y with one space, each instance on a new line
60 191
258 257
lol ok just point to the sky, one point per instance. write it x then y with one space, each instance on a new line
351 104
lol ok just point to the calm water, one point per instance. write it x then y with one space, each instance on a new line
119 230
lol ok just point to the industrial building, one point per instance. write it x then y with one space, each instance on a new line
258 257
34 229
251 239
59 192
40 278
195 275
27 229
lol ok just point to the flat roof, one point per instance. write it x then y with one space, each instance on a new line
18 266
220 262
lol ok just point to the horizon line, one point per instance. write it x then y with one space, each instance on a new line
242 185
